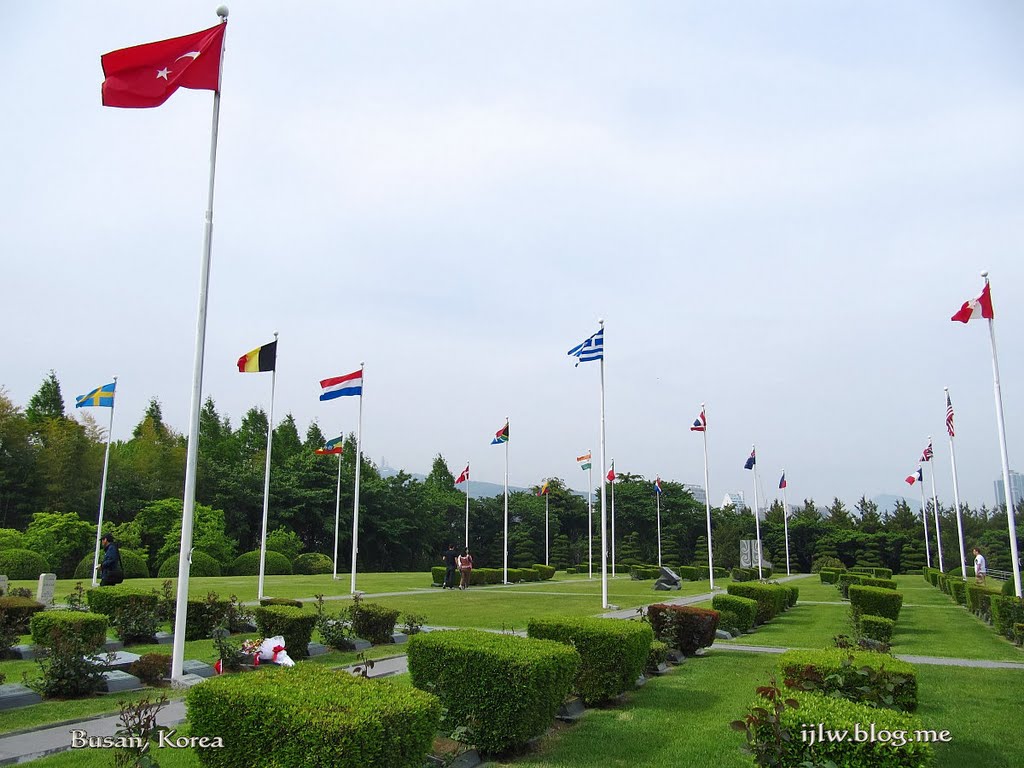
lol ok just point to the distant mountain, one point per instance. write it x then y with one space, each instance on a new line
478 489
887 502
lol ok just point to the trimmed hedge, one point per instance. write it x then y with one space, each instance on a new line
876 601
841 678
285 717
613 653
643 572
871 571
132 563
373 622
20 611
771 599
1006 611
529 574
204 615
109 600
840 715
958 591
829 575
437 573
294 624
876 627
978 599
744 574
867 581
659 654
313 564
248 564
546 572
794 594
1018 633
845 580
282 601
687 573
683 627
22 564
744 608
505 688
90 627
202 565
1007 588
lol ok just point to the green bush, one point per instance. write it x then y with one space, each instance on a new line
282 601
876 627
771 598
373 622
659 654
933 576
504 688
744 574
876 601
151 668
978 599
204 615
490 575
109 600
313 564
90 628
248 564
132 563
437 573
744 608
311 715
845 580
840 672
837 714
613 653
294 624
684 627
22 564
71 667
570 571
794 594
546 572
826 561
1006 611
687 573
529 574
202 565
19 611
643 572
958 590
829 576
1007 588
1018 633
721 573
868 581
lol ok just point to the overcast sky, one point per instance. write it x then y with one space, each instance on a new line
775 206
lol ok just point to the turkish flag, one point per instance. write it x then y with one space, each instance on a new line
147 75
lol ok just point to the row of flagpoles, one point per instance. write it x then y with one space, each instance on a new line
146 76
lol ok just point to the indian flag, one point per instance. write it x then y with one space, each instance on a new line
584 461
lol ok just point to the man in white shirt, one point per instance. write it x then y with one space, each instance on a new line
979 566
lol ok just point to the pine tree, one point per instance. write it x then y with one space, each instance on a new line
46 403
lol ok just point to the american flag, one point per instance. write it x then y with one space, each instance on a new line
927 453
949 416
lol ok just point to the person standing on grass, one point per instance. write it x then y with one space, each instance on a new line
466 567
980 567
451 566
111 572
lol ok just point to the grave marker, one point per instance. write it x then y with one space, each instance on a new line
47 585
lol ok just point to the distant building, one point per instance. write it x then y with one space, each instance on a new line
734 500
1016 485
697 491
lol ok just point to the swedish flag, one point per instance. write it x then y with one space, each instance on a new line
101 396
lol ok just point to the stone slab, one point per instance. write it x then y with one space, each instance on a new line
3 585
674 656
316 649
468 759
23 652
113 645
198 668
164 638
358 644
13 695
186 681
571 710
721 634
641 681
118 682
660 670
399 637
122 660
45 589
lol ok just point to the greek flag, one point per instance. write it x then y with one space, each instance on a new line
590 350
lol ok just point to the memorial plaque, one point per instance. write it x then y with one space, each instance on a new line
47 584
3 585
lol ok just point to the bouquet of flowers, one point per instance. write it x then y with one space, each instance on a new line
251 648
272 649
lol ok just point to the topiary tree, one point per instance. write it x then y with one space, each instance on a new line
312 563
22 564
202 565
249 564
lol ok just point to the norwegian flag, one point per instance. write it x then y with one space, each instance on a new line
949 416
464 476
927 453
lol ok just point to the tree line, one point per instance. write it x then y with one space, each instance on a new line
51 464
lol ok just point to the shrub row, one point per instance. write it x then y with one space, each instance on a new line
504 688
875 601
294 624
373 622
683 627
839 672
613 653
878 573
978 599
481 576
1006 612
22 564
19 611
286 716
743 608
771 598
875 627
644 572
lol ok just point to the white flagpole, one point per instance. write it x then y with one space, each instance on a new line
924 518
658 495
604 516
757 521
266 481
785 523
359 461
546 558
956 501
707 502
504 548
192 452
467 505
935 510
613 520
1011 521
337 517
590 516
103 492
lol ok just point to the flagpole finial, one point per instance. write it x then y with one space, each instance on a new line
275 335
222 11
929 438
362 364
945 389
600 321
984 273
115 378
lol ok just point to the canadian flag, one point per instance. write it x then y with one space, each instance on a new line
976 309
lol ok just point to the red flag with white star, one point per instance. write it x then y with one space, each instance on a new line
147 75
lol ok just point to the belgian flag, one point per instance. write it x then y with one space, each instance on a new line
259 360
